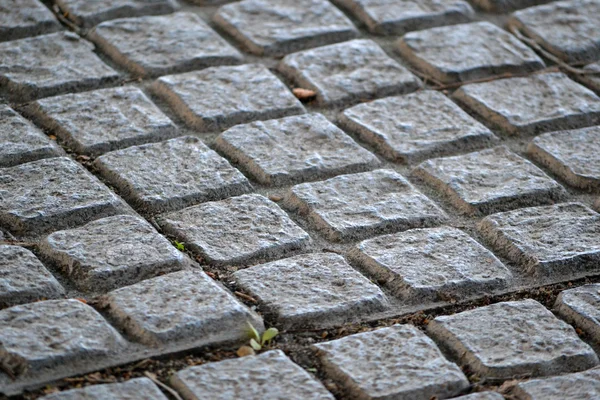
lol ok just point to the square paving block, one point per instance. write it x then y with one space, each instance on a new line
133 389
348 72
511 340
481 396
578 386
503 6
581 307
294 149
22 18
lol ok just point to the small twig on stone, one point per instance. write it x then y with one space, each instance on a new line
245 297
59 14
152 377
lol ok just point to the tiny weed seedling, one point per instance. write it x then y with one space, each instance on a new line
257 341
179 245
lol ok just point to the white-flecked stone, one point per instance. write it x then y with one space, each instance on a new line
312 290
481 396
171 175
134 389
416 126
361 205
531 105
51 64
466 52
511 340
270 375
436 264
581 307
220 97
23 278
22 18
489 181
348 72
294 149
180 306
236 230
51 194
111 252
579 386
503 6
165 44
103 120
562 240
399 362
276 27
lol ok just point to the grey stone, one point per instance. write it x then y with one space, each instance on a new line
220 97
22 18
111 252
503 6
416 126
51 64
23 278
511 340
361 205
236 230
180 306
573 155
436 264
568 29
592 77
268 376
581 307
51 194
103 120
467 52
312 290
531 105
134 389
158 45
554 240
276 27
294 149
348 72
171 175
490 180
399 362
579 386
482 396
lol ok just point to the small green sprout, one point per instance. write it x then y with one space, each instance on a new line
256 340
180 246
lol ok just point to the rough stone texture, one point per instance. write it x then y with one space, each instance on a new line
270 375
51 64
50 333
533 104
276 27
171 175
579 386
236 230
482 396
348 72
398 362
134 389
434 264
361 205
184 305
22 18
503 6
111 252
467 52
490 180
416 126
511 340
572 155
581 307
558 240
294 149
591 80
51 194
23 278
103 120
219 97
567 29
21 140
159 45
317 290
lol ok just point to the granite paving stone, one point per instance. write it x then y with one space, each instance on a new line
512 339
416 126
294 149
180 306
578 386
348 72
220 97
581 307
467 52
532 105
311 290
111 252
503 6
270 375
559 240
399 362
482 396
165 44
171 175
133 389
360 205
277 27
22 18
50 64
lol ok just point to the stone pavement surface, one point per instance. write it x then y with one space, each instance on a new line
409 191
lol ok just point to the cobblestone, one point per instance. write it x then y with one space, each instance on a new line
502 6
482 396
581 307
138 388
578 386
22 18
